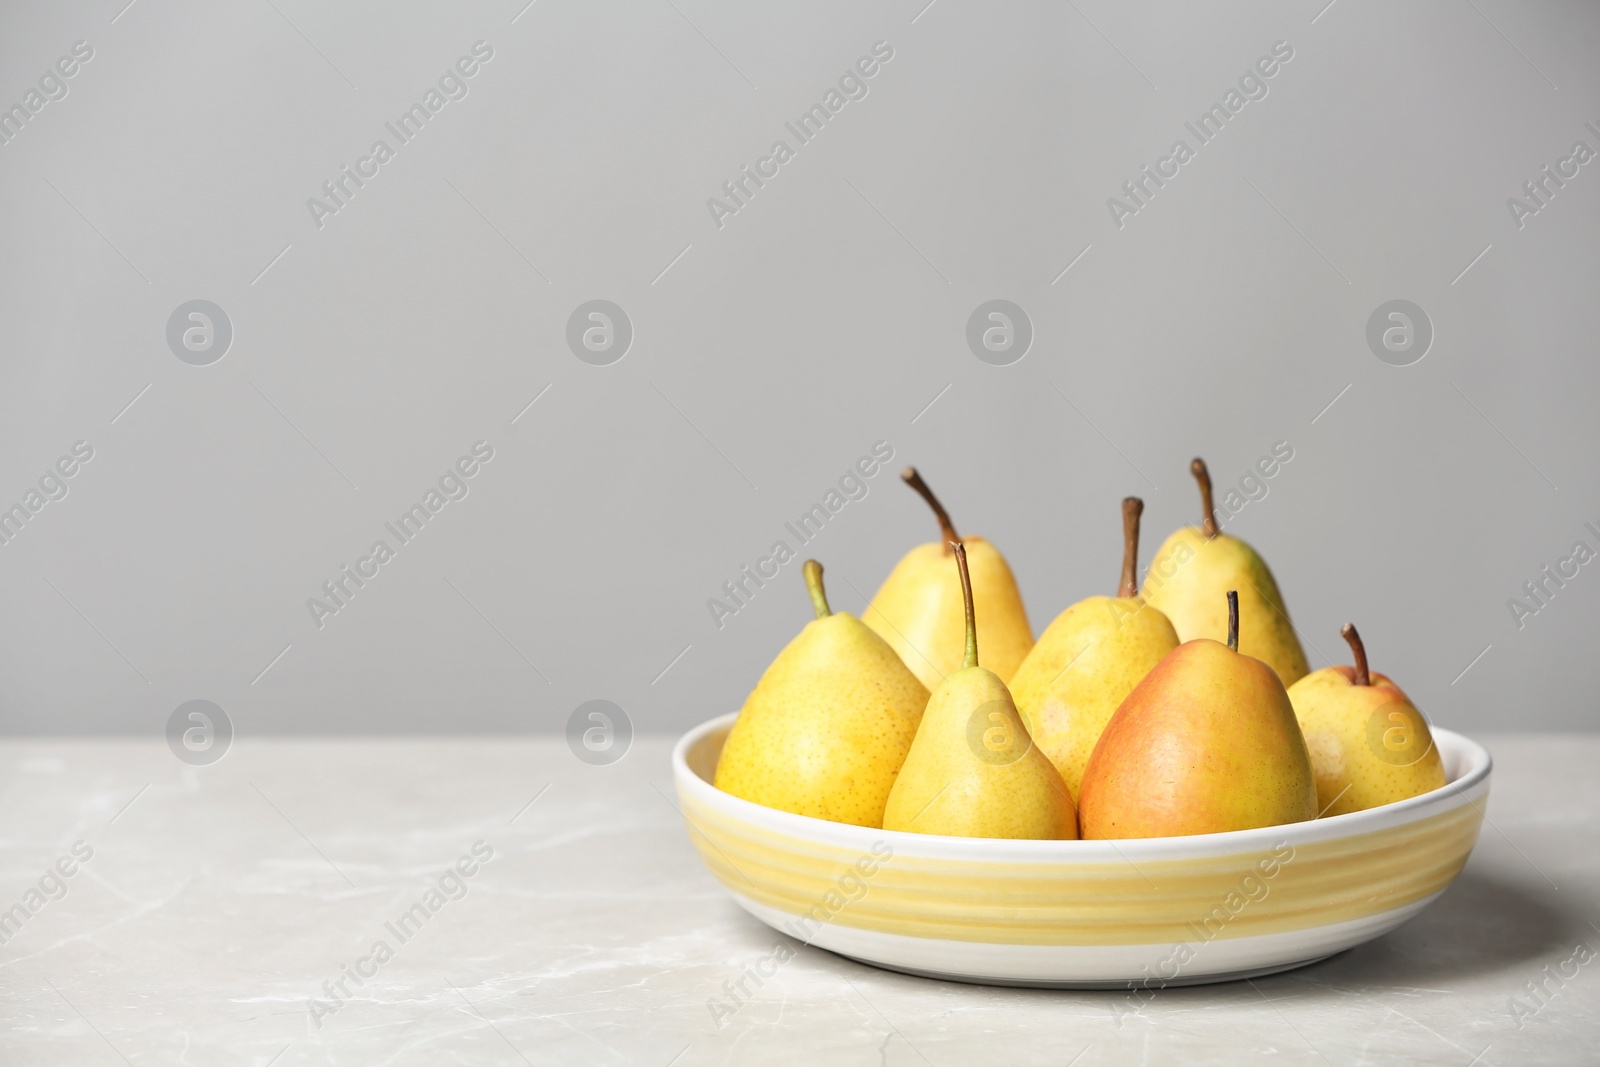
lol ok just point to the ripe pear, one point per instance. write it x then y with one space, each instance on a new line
1087 662
918 608
972 771
1193 570
826 729
1207 743
1369 744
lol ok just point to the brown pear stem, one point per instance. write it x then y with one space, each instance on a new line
819 595
1233 619
1203 476
1132 508
971 659
1348 632
947 532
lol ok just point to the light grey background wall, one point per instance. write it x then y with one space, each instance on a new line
373 346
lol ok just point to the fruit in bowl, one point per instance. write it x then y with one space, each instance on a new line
1197 565
918 608
828 726
972 770
1369 744
1206 743
1087 662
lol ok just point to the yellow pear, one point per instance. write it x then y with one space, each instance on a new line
1207 743
918 608
826 729
1369 744
972 771
1196 567
1087 662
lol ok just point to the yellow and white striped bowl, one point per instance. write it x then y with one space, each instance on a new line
1142 913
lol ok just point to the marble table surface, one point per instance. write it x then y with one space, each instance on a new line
211 914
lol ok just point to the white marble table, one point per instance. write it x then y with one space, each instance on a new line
218 900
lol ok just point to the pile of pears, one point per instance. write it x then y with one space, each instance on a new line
1187 708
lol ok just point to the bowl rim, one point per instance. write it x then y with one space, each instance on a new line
1476 762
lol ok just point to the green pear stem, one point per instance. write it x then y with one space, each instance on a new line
1348 632
1132 508
947 532
1233 619
819 595
1203 476
971 659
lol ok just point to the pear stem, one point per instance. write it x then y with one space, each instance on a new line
819 595
1203 476
1132 508
1233 619
947 532
1348 632
971 659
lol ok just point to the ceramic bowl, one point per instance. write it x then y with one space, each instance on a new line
1144 913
